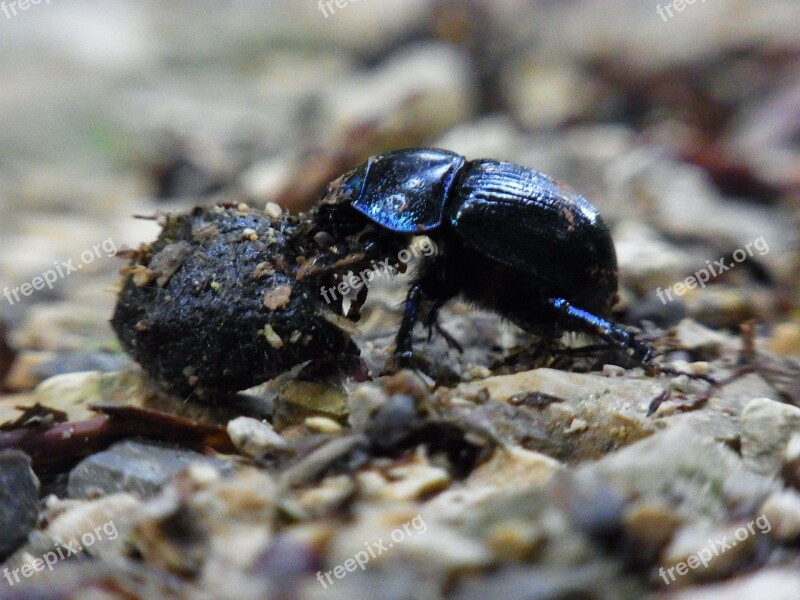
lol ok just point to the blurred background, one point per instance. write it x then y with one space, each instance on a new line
680 121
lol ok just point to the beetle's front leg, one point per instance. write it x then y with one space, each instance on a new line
403 356
403 341
354 311
586 321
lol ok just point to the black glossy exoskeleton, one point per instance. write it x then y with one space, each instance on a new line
510 239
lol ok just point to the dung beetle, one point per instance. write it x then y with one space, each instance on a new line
510 239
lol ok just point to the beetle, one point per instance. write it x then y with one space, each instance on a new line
510 239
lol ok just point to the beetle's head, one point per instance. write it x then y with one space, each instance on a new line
335 211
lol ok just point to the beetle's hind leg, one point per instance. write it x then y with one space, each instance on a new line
581 320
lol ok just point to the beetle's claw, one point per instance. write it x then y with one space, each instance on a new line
397 362
642 352
405 360
448 337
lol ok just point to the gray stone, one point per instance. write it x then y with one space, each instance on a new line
19 499
587 415
132 466
698 478
767 426
774 583
255 438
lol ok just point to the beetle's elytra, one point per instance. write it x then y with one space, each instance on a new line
511 239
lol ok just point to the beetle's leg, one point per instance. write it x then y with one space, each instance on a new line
586 321
354 310
338 301
583 350
403 342
403 356
433 323
451 341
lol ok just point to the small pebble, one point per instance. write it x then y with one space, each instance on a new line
476 372
253 437
202 474
785 339
576 426
272 210
323 424
613 371
273 338
700 367
278 297
19 492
